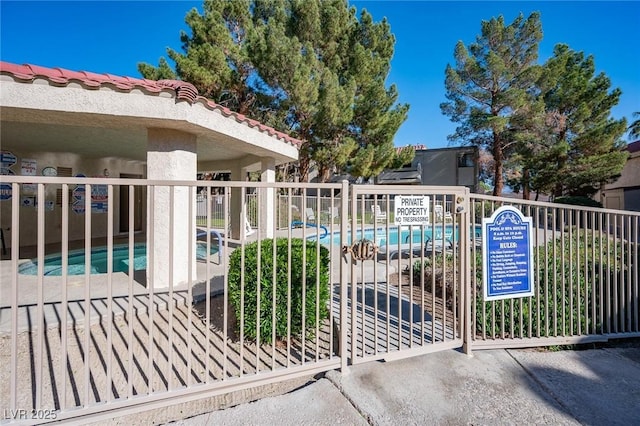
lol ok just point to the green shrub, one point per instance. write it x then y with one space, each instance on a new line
288 282
482 209
438 269
578 201
565 297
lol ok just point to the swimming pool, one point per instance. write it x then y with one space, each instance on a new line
76 259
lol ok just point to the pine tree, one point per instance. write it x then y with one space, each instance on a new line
215 58
490 85
377 116
634 128
309 68
588 146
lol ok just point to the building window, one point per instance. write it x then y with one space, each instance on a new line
466 160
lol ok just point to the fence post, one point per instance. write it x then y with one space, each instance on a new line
466 206
344 266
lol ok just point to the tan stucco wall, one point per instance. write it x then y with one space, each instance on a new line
612 197
630 175
90 167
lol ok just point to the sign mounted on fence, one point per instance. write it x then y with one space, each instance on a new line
411 210
507 255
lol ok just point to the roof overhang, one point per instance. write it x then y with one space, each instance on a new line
399 177
106 116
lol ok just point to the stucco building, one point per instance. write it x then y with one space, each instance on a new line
56 122
624 193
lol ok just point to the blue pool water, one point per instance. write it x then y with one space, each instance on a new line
53 263
383 236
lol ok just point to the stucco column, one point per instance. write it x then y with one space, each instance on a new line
266 209
171 155
237 219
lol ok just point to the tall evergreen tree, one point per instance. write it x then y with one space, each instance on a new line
634 128
587 148
306 67
377 116
295 50
215 58
490 84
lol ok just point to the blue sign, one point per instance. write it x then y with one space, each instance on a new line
507 255
5 191
99 207
7 159
99 193
79 193
78 207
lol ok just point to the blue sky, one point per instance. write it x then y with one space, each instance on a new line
114 36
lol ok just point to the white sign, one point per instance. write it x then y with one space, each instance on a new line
29 189
411 210
29 167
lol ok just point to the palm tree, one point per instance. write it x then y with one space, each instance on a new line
634 129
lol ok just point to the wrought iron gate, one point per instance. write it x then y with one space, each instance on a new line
408 268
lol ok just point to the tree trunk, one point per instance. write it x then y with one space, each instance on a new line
498 179
324 174
304 169
526 191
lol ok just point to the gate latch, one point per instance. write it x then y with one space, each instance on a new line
361 250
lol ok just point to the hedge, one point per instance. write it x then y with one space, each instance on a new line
289 283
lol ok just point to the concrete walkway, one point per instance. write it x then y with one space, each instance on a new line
590 387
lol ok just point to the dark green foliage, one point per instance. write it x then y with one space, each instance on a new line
547 127
585 142
578 201
634 128
568 144
490 85
289 283
309 68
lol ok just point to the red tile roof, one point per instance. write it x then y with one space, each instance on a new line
183 90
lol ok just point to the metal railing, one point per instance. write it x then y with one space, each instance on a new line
114 321
96 321
586 264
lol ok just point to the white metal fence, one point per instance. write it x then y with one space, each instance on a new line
413 300
308 208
